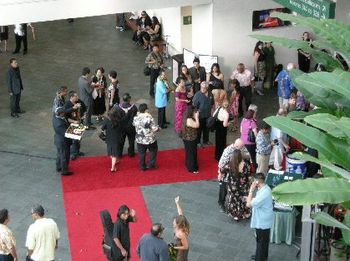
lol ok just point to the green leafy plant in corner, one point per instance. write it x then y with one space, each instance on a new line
326 129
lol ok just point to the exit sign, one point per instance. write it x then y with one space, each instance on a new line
320 9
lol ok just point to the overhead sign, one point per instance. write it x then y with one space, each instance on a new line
320 9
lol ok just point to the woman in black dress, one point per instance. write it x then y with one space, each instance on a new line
113 130
189 131
237 188
215 78
99 82
221 129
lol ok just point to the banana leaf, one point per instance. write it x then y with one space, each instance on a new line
335 150
321 94
329 29
337 127
325 163
346 232
325 219
313 191
300 115
328 61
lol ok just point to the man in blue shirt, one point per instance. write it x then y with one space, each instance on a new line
285 86
262 215
152 247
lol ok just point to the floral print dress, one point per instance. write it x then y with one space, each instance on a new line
237 191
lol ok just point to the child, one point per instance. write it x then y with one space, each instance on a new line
233 108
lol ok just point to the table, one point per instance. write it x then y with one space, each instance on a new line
283 227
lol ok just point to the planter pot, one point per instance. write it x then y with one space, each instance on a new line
338 251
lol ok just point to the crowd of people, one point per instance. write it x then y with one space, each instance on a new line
199 98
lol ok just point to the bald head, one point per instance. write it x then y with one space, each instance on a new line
239 144
290 66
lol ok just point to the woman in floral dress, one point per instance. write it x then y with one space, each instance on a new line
237 188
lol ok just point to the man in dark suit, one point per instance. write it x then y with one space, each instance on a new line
198 74
15 87
60 125
85 90
128 112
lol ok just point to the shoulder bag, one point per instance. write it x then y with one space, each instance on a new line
211 120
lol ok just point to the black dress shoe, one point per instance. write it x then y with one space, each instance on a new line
167 122
81 153
252 257
14 115
152 167
21 111
67 173
15 52
58 170
73 157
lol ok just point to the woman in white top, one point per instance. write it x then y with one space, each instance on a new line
221 129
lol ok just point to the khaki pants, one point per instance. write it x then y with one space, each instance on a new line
263 163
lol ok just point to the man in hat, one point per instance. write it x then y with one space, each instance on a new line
60 125
152 247
42 236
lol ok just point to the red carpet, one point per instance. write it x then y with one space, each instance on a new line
92 173
83 219
92 188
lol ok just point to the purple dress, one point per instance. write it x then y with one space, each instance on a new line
180 107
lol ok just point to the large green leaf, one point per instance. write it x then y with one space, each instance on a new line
324 218
313 191
300 115
337 127
321 93
328 61
335 150
325 163
334 32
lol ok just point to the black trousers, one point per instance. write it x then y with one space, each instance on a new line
75 148
62 158
152 80
130 134
191 155
142 149
88 114
19 40
8 257
203 130
262 244
251 148
14 102
246 93
220 140
161 117
222 193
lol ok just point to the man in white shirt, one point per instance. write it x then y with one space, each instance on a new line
42 236
21 35
245 79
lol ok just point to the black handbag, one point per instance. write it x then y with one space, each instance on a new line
147 71
251 135
211 120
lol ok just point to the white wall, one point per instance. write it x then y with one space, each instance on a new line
186 29
170 18
12 12
202 28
